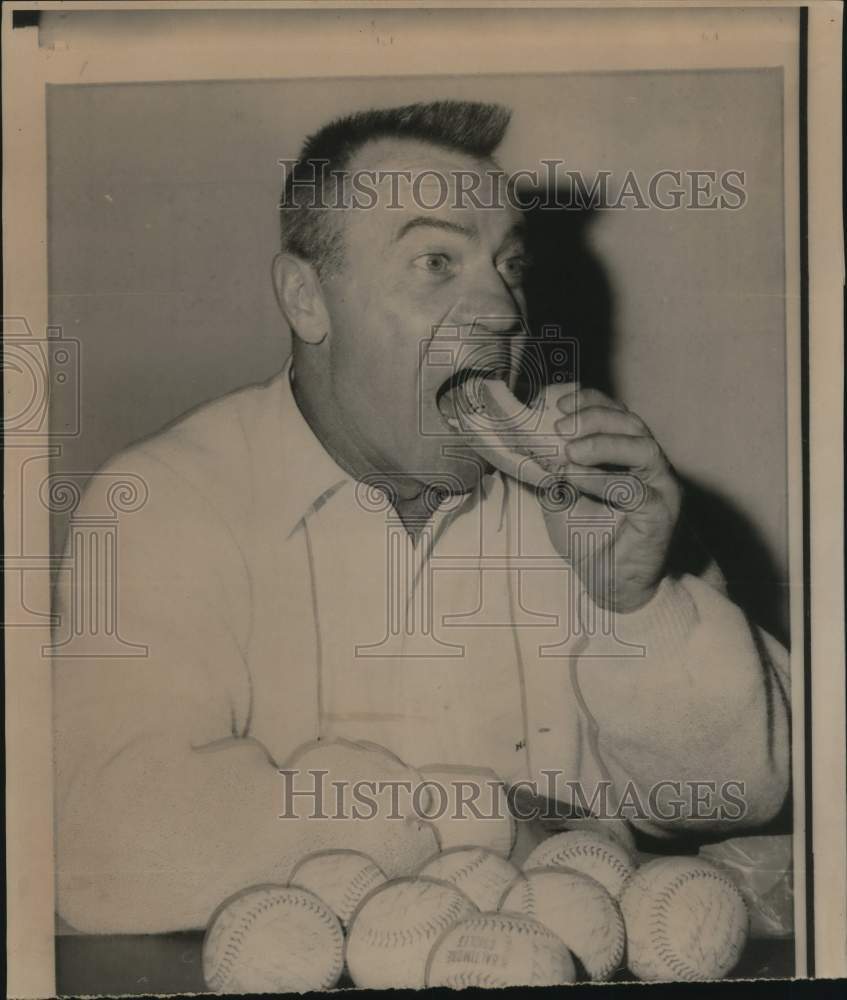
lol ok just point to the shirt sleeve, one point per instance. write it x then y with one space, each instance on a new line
693 732
164 807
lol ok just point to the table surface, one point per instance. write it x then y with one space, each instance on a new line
170 963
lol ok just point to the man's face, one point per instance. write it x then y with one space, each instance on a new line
423 292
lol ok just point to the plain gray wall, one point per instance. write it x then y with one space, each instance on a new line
162 226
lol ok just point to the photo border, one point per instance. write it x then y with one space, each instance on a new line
817 756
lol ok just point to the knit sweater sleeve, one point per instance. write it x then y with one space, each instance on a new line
699 702
163 806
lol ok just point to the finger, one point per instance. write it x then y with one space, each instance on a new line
563 391
582 398
610 487
489 449
616 449
600 420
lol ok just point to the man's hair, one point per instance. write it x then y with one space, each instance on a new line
310 229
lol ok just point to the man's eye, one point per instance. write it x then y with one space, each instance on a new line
433 263
514 269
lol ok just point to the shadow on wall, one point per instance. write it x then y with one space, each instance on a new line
570 288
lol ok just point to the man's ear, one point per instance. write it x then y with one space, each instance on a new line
300 297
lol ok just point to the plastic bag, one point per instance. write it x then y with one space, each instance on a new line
761 867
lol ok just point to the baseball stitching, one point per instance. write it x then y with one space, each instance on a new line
595 851
485 980
617 951
362 882
529 894
469 867
528 905
658 928
462 871
219 979
411 935
507 922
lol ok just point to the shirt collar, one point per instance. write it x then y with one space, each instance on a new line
312 475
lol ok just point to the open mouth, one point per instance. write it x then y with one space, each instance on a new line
460 397
478 405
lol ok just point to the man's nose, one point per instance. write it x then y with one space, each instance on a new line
490 308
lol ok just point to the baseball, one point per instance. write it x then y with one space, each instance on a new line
468 808
394 927
484 411
272 939
494 950
576 909
601 858
480 873
685 920
398 845
340 878
615 830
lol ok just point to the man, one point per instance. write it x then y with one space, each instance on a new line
321 558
